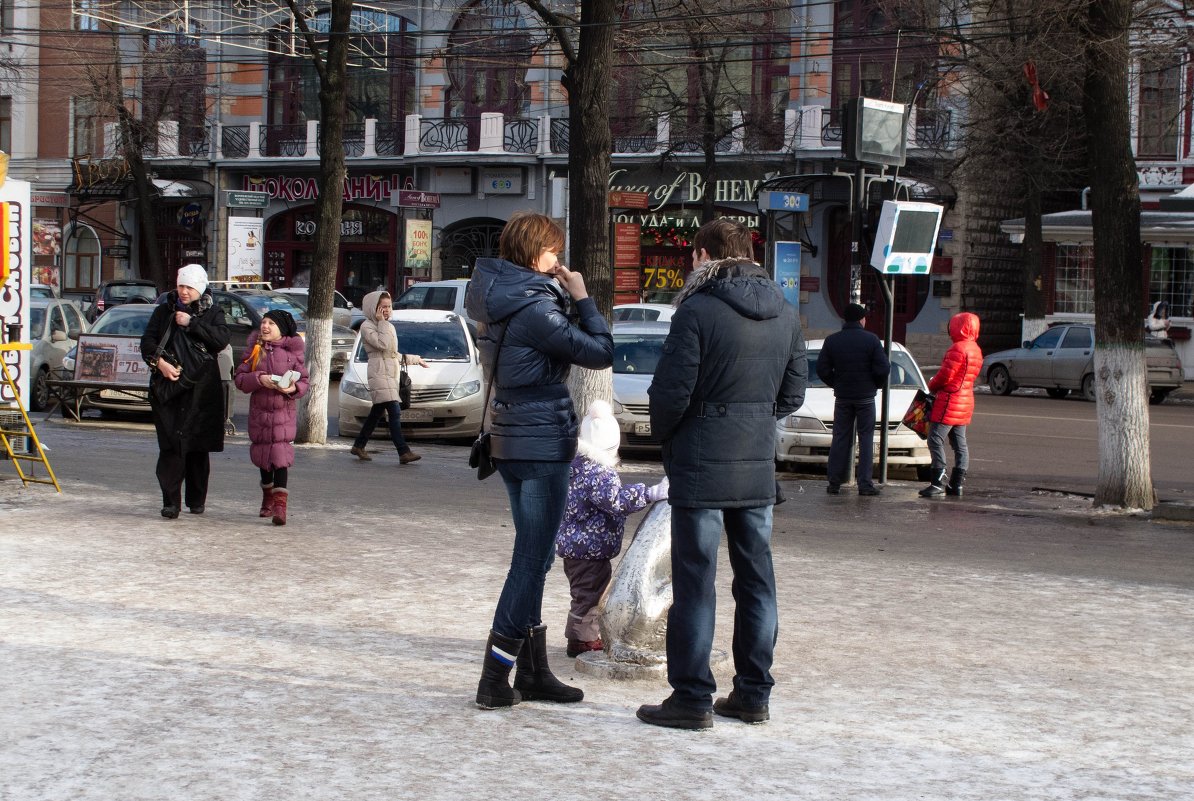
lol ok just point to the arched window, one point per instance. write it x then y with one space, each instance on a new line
381 70
81 259
489 52
465 242
677 61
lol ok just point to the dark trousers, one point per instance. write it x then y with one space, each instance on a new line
587 580
393 410
850 416
696 534
174 468
276 477
538 492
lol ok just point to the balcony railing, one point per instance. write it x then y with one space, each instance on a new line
809 129
442 135
521 136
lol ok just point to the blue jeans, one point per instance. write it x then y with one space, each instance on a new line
849 415
938 434
696 534
391 409
538 493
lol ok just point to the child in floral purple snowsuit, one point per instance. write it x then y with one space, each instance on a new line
594 521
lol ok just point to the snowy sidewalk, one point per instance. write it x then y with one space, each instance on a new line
222 658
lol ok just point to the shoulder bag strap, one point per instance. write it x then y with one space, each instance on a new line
164 341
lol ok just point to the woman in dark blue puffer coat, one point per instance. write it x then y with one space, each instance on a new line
518 301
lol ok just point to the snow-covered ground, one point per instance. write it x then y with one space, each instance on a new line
219 657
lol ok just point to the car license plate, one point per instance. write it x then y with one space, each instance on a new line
642 429
417 416
124 395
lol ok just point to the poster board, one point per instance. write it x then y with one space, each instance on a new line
16 274
111 359
245 247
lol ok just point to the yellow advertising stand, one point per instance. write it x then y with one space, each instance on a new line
15 275
24 429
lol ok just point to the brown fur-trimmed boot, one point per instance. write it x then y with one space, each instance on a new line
267 500
280 497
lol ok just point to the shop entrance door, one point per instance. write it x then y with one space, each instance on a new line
364 272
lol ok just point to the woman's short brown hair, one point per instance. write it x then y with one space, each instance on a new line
527 235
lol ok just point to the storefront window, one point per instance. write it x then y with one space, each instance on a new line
1074 281
1171 279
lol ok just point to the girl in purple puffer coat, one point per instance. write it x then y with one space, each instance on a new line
268 375
590 535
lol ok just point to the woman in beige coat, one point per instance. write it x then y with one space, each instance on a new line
385 362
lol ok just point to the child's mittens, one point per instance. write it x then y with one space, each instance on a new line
658 492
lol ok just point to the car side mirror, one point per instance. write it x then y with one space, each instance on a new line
1027 344
58 336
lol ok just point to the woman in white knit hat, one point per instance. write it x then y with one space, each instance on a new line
185 334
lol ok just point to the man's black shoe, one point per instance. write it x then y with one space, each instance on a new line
833 489
731 707
869 491
674 716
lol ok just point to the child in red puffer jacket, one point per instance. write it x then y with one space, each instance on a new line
953 405
267 374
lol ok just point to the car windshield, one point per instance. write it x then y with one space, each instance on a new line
121 320
263 303
37 322
125 291
40 292
903 371
435 342
637 353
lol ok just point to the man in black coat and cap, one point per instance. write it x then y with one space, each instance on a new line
853 362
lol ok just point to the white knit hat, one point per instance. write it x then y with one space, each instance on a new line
599 428
194 276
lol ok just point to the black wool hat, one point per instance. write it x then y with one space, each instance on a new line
854 313
284 321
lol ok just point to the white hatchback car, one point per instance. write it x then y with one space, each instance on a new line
804 436
447 397
637 348
643 313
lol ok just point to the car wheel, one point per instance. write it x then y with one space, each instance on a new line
40 399
1000 381
1158 396
1057 392
1088 387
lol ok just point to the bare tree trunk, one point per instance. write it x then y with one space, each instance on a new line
590 144
1034 290
1120 376
589 149
313 412
133 142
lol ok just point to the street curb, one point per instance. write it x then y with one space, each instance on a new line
1174 510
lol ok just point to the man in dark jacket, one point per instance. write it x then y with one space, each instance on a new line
853 362
733 362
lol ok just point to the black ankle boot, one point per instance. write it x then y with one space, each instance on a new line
534 678
956 479
936 484
494 689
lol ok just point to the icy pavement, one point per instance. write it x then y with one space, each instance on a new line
336 658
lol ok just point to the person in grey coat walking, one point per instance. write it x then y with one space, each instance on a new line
733 362
853 362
